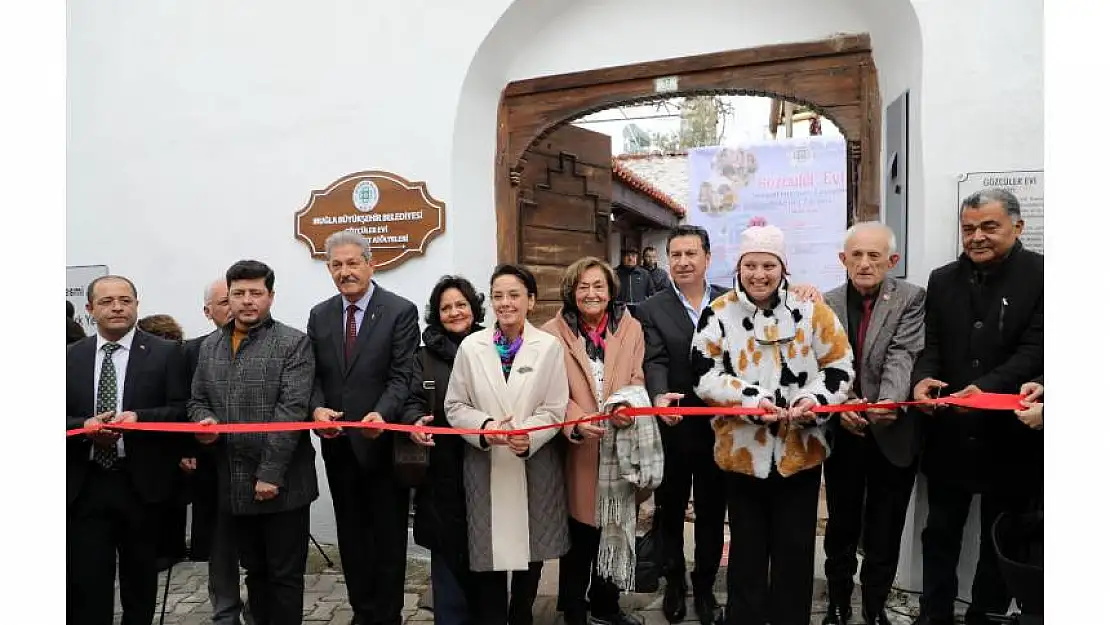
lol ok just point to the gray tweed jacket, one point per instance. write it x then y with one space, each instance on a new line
269 379
895 338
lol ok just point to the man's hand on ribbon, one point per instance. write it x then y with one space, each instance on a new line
664 401
1033 414
927 390
188 465
423 438
882 416
852 421
98 434
372 433
968 391
207 439
326 415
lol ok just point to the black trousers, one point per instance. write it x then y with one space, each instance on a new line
773 527
942 539
580 577
867 498
371 518
682 469
106 519
274 550
498 605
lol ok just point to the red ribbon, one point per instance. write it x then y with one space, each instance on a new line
982 401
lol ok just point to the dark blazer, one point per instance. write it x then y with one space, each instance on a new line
985 329
378 377
154 388
668 334
268 380
895 338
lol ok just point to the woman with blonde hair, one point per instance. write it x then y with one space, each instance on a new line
607 461
760 346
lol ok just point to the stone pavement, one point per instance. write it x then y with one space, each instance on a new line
325 590
325 599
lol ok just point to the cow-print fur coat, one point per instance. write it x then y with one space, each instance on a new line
804 353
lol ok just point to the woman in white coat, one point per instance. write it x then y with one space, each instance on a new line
511 376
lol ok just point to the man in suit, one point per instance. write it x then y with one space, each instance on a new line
984 332
213 533
364 339
257 370
669 319
115 482
870 473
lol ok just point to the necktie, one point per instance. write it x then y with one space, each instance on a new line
864 321
105 402
352 333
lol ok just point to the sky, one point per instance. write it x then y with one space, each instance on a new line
746 124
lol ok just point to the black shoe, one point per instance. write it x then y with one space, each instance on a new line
674 600
837 615
708 610
878 618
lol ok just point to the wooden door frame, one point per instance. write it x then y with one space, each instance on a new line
835 76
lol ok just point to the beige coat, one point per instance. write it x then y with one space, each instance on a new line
624 366
516 507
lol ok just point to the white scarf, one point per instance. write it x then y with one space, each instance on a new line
629 459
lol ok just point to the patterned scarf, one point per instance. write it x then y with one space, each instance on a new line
595 337
629 459
506 350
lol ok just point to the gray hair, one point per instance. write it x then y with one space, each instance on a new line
347 237
892 242
211 286
1008 200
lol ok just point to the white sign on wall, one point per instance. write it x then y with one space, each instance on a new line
78 278
1028 186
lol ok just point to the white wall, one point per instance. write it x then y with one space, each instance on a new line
196 130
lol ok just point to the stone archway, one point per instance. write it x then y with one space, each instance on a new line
835 76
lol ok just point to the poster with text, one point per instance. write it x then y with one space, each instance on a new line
77 280
1027 186
799 185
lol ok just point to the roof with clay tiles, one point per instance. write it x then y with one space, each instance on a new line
661 176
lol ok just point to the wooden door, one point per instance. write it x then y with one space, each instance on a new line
565 189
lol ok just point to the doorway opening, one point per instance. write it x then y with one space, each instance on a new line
561 195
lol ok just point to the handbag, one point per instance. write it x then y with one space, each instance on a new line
410 460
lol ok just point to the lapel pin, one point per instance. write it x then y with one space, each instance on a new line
886 297
524 369
142 347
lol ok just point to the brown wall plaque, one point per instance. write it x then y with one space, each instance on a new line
398 217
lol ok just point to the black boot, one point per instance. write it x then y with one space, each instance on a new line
708 610
838 613
674 599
